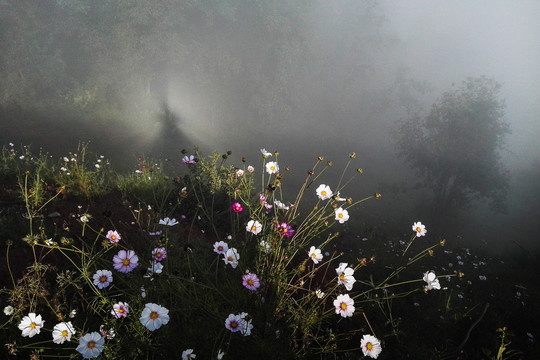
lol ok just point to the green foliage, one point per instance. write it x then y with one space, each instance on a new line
456 147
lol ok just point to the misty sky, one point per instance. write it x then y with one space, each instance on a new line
444 42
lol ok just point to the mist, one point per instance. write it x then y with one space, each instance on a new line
305 78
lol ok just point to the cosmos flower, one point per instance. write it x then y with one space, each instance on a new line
319 293
324 192
189 159
342 215
154 316
286 229
272 167
315 254
246 325
125 261
253 226
113 236
168 222
281 205
251 281
221 247
159 254
370 346
90 345
102 278
239 172
8 310
432 282
231 257
155 268
188 354
265 246
62 332
106 333
344 305
120 309
31 325
419 228
345 276
237 207
250 169
265 153
234 323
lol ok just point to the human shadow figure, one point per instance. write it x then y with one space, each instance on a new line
170 139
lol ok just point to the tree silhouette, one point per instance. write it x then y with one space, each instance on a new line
455 148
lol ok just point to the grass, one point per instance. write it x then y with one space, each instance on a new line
56 213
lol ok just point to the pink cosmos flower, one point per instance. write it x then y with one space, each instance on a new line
120 309
159 254
189 159
125 261
237 207
251 281
113 236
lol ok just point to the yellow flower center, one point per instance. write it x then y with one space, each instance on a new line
323 193
253 228
158 255
125 262
103 279
369 346
230 258
64 333
154 315
340 215
343 306
113 237
33 325
314 255
220 248
234 324
418 229
342 277
250 282
121 310
91 344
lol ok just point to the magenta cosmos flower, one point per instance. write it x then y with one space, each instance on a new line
251 281
237 207
125 261
159 254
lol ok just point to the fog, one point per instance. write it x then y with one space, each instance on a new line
304 78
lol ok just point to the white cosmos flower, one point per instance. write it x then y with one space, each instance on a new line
315 254
31 325
272 167
62 332
419 228
231 257
371 346
154 316
432 282
234 323
344 305
188 354
324 192
8 310
345 276
265 153
342 215
253 226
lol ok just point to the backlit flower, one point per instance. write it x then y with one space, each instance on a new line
344 305
159 254
62 332
168 222
345 276
370 346
113 236
120 309
315 254
324 192
102 278
272 167
432 282
189 159
419 228
253 226
237 207
251 281
234 323
154 316
232 257
125 261
265 153
188 354
31 325
90 345
342 215
221 247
